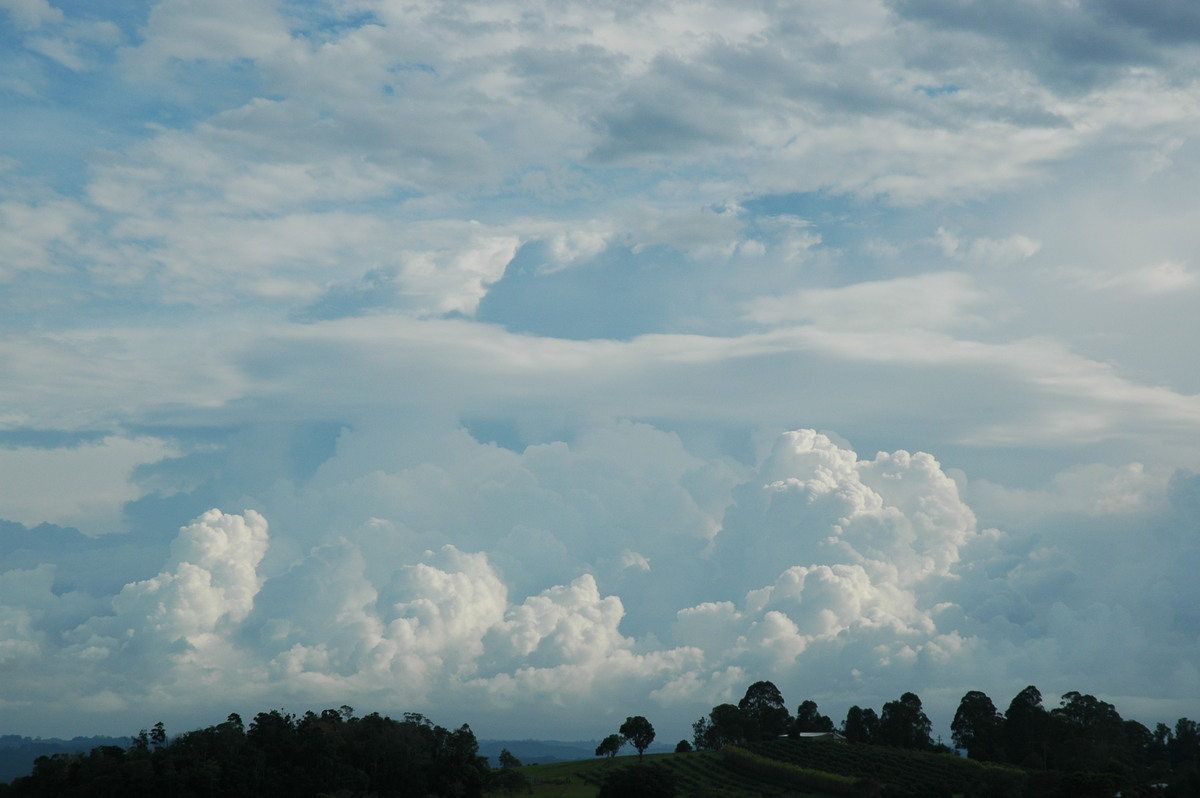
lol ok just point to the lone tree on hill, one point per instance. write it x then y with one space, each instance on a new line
638 731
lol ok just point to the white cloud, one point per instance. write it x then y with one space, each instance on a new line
83 486
36 236
870 577
210 577
929 301
225 30
1160 278
986 251
32 14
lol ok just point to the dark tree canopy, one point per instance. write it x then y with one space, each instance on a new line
279 756
1081 748
508 760
1090 734
639 781
638 732
1027 728
904 724
764 714
810 719
978 727
725 725
610 746
861 725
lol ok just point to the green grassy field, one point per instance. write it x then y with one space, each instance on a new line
791 769
701 774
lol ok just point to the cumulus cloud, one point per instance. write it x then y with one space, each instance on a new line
829 573
210 578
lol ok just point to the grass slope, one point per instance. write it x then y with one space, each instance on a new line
700 774
792 768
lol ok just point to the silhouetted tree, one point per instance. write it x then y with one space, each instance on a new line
904 724
1027 729
610 745
978 727
810 719
637 731
860 725
323 753
507 760
1184 745
726 725
763 712
702 737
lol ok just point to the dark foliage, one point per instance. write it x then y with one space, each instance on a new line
978 727
725 725
278 755
890 771
639 781
610 746
861 725
763 711
638 732
904 724
810 719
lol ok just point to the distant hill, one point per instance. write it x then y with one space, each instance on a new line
17 754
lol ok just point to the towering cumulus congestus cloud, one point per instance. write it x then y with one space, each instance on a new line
211 578
850 556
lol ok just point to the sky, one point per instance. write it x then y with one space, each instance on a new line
536 364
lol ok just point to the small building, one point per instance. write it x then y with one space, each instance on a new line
825 737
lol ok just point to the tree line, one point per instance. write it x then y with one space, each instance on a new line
1083 735
277 754
762 714
336 753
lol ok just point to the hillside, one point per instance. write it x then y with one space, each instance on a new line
17 754
793 768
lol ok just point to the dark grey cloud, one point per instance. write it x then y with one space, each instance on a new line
1068 45
1168 21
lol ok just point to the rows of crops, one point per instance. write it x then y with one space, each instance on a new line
797 767
900 771
706 775
702 774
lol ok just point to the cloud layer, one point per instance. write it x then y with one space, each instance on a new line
839 578
527 364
